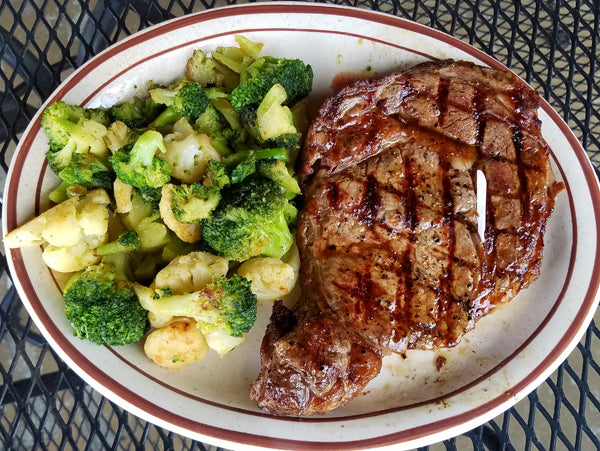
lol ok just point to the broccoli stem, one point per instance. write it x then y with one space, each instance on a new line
119 263
128 241
65 191
145 148
169 116
190 304
198 304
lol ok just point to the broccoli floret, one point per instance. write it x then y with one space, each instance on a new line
287 140
60 159
227 305
209 121
72 129
127 241
102 306
136 113
193 203
243 164
184 99
216 175
278 171
63 122
150 194
258 78
253 219
99 115
88 171
129 114
137 165
212 124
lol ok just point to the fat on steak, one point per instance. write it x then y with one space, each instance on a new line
391 256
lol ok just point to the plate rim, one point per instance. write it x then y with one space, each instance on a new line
278 7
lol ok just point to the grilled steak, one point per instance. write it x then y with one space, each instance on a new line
391 256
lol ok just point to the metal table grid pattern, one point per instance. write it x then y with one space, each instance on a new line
552 44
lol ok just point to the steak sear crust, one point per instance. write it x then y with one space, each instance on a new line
391 256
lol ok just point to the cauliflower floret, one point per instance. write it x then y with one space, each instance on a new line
73 258
191 272
189 233
272 278
186 274
176 344
222 343
60 225
71 231
93 214
116 136
122 192
188 152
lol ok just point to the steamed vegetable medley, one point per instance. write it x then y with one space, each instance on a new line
176 210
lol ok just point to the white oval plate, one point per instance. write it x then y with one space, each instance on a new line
411 403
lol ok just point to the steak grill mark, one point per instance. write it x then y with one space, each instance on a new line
446 278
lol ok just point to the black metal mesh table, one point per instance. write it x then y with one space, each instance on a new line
552 44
